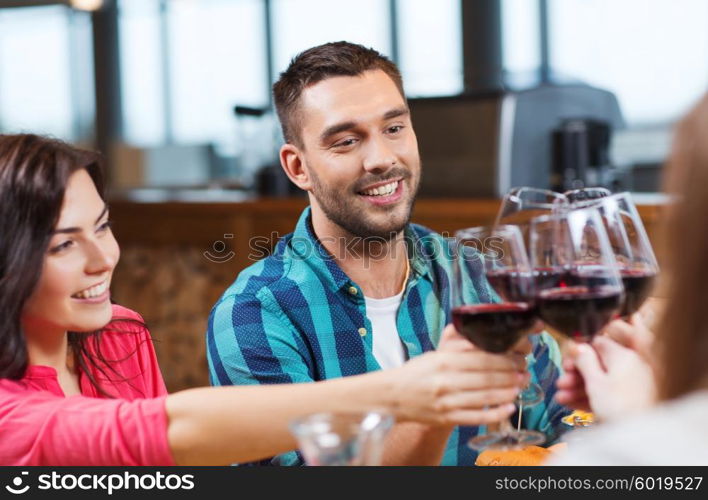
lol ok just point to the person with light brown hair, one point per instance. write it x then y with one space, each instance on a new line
656 405
357 287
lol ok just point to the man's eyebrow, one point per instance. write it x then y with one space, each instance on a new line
341 127
395 113
335 129
69 230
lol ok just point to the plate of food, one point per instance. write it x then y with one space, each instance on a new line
579 418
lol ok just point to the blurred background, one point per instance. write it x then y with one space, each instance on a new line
155 83
176 95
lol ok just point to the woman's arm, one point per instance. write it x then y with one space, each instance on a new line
237 424
223 425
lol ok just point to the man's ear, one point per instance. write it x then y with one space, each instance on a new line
292 161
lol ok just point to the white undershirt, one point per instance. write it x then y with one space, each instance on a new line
388 348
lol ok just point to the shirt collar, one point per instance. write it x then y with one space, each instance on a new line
421 250
308 247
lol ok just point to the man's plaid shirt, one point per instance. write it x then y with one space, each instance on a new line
295 316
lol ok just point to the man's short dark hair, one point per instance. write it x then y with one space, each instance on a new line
317 64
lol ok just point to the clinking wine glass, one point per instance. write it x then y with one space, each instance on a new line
578 285
497 252
586 194
521 204
518 207
630 245
582 290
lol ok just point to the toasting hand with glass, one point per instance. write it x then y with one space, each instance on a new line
581 290
572 252
634 259
498 326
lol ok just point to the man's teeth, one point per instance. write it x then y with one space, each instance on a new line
94 291
384 190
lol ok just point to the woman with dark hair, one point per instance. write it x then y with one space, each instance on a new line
623 384
79 381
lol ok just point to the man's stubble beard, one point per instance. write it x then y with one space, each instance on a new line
355 223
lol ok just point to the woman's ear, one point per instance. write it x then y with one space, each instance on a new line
291 159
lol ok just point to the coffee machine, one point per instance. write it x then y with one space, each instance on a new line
550 136
581 155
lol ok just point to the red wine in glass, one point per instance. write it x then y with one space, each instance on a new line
550 277
637 287
630 244
512 286
637 284
494 328
579 312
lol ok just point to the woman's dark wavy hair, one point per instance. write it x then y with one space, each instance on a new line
34 172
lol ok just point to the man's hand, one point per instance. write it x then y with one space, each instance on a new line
459 384
451 340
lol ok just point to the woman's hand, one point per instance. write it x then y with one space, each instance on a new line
617 381
571 387
455 384
635 335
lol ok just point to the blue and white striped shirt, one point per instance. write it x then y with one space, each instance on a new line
295 316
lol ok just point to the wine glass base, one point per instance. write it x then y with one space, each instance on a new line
531 395
503 441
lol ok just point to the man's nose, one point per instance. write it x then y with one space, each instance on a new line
379 156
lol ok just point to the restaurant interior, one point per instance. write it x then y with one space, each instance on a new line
551 94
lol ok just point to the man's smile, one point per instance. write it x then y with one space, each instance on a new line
387 193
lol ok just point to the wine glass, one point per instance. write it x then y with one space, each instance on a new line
518 207
577 281
582 289
342 438
521 204
586 194
631 247
497 252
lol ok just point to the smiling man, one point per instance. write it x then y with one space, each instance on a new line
356 287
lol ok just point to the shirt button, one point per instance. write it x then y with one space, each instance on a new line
353 290
362 331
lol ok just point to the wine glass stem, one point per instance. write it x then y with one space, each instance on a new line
518 420
505 427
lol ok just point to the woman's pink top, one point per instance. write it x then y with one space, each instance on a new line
40 426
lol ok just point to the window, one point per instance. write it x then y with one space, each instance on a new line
301 24
46 82
185 65
217 59
650 53
430 46
521 42
142 76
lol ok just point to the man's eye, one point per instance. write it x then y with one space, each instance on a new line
395 129
61 246
344 143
